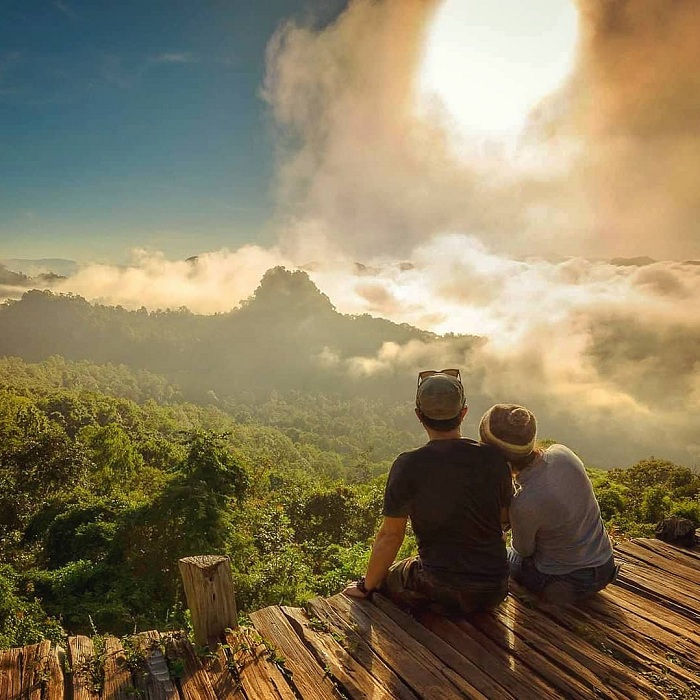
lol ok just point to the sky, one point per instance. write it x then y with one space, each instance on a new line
493 167
141 124
136 124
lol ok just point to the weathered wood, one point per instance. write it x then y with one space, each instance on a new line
362 652
153 676
355 680
10 674
650 610
118 683
194 682
40 671
530 650
637 652
426 674
210 594
620 621
86 668
672 587
464 666
683 554
260 678
53 672
30 662
604 669
307 677
222 679
640 638
659 561
506 670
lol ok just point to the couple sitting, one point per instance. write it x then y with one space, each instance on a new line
462 495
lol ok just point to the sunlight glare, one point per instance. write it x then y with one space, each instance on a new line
490 63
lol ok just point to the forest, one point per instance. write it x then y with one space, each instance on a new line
107 477
129 439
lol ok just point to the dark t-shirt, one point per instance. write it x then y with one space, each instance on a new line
453 491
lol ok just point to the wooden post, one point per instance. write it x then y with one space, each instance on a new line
210 596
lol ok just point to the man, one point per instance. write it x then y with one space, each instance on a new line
456 492
560 547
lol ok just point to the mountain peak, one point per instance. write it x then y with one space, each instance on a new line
290 289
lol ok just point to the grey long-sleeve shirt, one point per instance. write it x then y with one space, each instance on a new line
555 516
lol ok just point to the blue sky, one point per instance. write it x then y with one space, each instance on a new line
136 123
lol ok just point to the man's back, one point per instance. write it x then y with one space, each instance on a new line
555 515
453 491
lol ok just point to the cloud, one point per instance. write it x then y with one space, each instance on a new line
463 240
358 165
605 354
609 165
634 105
65 9
209 283
175 57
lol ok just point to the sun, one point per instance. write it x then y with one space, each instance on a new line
490 62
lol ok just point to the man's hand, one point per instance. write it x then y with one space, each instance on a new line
352 591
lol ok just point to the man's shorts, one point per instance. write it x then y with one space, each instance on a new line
409 584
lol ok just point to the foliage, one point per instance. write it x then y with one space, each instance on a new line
108 477
22 619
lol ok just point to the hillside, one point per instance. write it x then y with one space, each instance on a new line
287 336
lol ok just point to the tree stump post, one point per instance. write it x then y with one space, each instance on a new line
210 595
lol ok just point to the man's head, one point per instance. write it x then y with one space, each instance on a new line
440 402
510 428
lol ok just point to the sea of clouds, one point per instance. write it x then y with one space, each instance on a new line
513 245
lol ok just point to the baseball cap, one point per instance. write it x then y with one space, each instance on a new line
440 395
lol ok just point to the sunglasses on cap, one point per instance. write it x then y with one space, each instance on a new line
422 376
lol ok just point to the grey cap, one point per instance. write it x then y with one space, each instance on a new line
440 397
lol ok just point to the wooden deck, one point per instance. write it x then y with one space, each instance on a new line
640 638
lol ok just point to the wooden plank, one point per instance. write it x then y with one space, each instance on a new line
54 688
613 674
86 676
681 554
118 683
260 678
665 583
629 620
39 663
193 681
361 651
651 610
355 680
420 669
506 670
218 667
10 674
536 652
309 680
465 667
659 561
152 678
569 652
637 652
642 589
30 661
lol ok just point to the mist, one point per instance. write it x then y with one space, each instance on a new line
389 213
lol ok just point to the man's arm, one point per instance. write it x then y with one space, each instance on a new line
384 550
505 522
